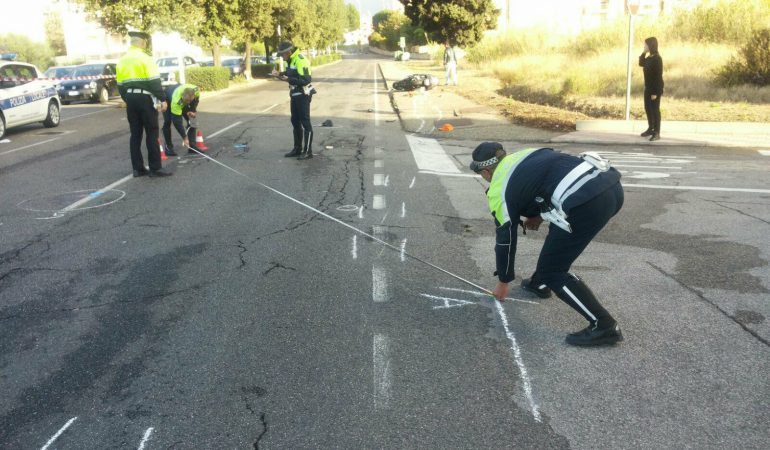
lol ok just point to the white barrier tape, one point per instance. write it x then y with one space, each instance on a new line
92 77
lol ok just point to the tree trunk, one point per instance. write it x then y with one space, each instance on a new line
215 53
247 60
267 51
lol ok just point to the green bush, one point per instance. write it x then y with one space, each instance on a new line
325 59
751 65
261 70
723 21
208 78
377 40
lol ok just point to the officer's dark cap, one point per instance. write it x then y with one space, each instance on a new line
140 35
285 46
485 155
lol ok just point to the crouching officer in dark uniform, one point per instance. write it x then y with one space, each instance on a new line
578 196
139 85
184 104
301 91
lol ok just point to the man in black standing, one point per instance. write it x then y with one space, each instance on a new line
652 65
139 85
297 74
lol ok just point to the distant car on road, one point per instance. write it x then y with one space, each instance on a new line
25 99
169 67
94 90
234 64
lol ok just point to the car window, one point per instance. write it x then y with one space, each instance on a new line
7 72
167 62
88 70
189 61
108 70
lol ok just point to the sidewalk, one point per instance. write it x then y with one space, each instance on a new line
425 112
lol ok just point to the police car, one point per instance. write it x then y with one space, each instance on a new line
23 98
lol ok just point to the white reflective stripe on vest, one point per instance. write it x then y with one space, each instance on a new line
560 193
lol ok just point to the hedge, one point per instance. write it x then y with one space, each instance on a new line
208 78
325 59
261 70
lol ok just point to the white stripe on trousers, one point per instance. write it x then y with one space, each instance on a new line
582 306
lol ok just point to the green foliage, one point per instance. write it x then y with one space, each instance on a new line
54 32
377 40
208 78
391 26
353 18
723 21
119 16
325 59
27 50
751 65
462 22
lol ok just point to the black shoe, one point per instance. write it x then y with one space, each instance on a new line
194 151
647 133
541 291
170 152
593 336
293 153
159 173
140 173
655 137
306 155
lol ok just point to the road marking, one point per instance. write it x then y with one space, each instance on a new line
96 194
699 188
411 185
764 152
646 167
378 151
378 163
376 100
378 179
354 249
361 212
387 180
83 115
28 146
378 201
58 433
516 352
645 175
403 209
482 294
429 155
224 129
379 285
381 371
403 250
448 302
450 174
146 438
267 109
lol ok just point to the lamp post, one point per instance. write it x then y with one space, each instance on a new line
633 7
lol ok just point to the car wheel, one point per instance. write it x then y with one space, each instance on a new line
104 95
53 118
2 126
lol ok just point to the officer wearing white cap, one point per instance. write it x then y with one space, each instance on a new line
140 87
298 75
578 195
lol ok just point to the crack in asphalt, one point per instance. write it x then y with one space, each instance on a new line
739 211
11 255
242 247
264 430
276 265
35 269
703 298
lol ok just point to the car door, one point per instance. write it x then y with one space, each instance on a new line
109 80
35 105
9 92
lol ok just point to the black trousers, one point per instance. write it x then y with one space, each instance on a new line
652 108
300 120
176 121
561 249
143 118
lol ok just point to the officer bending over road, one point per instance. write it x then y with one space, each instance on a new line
578 195
301 91
139 86
184 103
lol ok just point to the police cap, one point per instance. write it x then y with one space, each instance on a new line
140 35
285 46
485 155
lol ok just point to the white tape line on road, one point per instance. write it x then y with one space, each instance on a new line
698 188
223 130
28 146
58 433
96 194
145 438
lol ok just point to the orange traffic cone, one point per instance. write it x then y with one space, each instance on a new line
163 156
199 142
447 127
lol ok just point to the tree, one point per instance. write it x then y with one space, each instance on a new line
255 19
353 18
391 25
118 16
27 50
207 22
54 32
462 22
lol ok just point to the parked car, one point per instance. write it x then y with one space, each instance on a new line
59 71
98 90
169 67
261 59
234 64
25 99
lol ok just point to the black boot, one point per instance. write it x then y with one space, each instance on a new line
540 290
655 137
649 132
307 152
306 155
294 152
594 335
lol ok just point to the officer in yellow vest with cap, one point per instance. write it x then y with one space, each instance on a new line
140 87
298 75
184 100
578 196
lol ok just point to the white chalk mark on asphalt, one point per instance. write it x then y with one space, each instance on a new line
403 250
354 250
379 284
387 180
516 352
485 295
448 302
699 188
361 212
378 201
381 371
58 433
411 185
96 194
27 146
403 209
145 438
223 130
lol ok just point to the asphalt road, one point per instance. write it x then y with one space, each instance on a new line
255 305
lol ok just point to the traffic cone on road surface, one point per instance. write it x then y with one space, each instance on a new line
163 156
199 142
